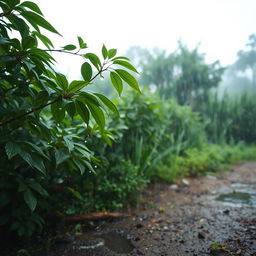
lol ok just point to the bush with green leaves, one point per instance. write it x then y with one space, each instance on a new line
148 132
44 118
209 158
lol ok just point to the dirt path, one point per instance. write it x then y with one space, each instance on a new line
181 219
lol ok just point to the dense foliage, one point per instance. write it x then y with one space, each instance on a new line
44 118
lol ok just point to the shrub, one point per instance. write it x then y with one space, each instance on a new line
42 114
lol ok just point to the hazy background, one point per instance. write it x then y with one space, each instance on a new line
221 27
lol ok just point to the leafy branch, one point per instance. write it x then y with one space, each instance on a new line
15 118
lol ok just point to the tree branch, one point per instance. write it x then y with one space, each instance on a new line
63 51
15 118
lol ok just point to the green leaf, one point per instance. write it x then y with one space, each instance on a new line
62 81
108 103
112 53
45 40
81 42
33 160
117 82
6 58
46 134
88 96
83 150
125 64
80 165
22 187
11 149
83 111
41 98
61 156
215 246
76 86
30 199
32 6
128 78
12 3
97 114
69 143
39 20
21 25
71 109
89 166
32 22
30 66
58 111
38 188
69 47
86 71
94 59
4 40
35 148
74 192
104 52
120 58
28 42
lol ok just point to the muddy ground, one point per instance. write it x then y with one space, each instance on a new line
179 219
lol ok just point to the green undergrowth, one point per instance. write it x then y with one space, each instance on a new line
116 185
211 158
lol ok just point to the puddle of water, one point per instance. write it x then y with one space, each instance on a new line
242 194
117 243
235 198
112 240
92 246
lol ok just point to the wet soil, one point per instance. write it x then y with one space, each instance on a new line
198 216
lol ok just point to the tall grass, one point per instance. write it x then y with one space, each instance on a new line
229 119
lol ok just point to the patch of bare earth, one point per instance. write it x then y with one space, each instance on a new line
177 220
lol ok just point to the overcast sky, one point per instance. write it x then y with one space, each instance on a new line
221 26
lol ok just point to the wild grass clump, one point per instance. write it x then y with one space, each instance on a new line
211 158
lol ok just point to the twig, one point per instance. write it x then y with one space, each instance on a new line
15 118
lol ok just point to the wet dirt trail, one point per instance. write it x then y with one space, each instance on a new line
198 216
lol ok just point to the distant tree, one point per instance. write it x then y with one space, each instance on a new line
159 71
139 56
182 74
247 59
194 78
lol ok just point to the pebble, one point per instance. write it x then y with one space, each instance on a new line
185 182
200 235
173 186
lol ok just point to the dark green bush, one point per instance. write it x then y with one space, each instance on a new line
44 118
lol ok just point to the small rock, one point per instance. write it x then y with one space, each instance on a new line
200 235
226 211
202 221
185 182
139 225
238 251
173 186
211 177
165 228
